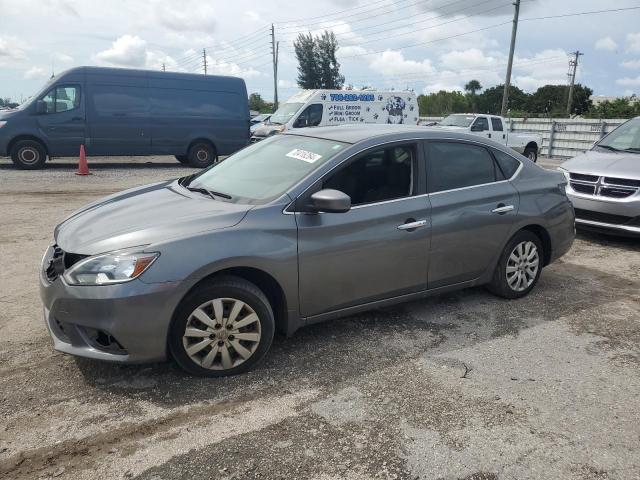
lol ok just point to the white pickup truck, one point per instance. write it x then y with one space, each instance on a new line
495 128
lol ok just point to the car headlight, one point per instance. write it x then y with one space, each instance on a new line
109 268
565 173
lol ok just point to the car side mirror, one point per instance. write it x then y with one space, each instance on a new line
330 201
477 128
301 122
41 107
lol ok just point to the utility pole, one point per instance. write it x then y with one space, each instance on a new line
164 68
573 68
204 60
507 82
275 47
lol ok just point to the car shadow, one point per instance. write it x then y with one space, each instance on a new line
320 356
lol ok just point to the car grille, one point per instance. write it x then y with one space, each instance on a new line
608 187
59 262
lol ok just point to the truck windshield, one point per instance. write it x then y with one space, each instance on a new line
457 121
624 138
265 170
285 112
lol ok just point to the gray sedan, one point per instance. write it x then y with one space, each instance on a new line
294 230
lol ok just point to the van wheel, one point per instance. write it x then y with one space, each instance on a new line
182 159
222 328
202 155
531 153
28 155
519 267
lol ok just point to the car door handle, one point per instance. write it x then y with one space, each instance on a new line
412 225
489 135
502 208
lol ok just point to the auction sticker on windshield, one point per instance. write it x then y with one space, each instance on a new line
304 155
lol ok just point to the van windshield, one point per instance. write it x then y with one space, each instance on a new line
284 113
264 170
457 121
624 138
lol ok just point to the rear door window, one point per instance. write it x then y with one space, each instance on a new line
507 163
496 124
456 165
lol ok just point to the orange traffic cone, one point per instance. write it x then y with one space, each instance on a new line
83 166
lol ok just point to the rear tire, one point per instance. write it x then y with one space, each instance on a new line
201 155
28 155
519 267
531 154
204 337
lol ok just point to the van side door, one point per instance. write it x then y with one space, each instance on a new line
63 123
119 117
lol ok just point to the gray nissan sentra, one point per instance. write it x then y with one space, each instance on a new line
294 230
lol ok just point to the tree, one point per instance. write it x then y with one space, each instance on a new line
552 100
618 108
471 88
318 66
490 101
443 103
256 102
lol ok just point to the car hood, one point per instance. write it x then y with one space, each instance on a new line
142 216
611 164
7 114
267 130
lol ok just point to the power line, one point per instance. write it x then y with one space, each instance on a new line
333 14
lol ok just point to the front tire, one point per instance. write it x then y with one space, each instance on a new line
201 155
531 153
519 267
28 155
222 328
182 159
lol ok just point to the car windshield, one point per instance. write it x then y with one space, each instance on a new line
457 121
284 113
624 138
265 170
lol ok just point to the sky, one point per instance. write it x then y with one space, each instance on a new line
424 45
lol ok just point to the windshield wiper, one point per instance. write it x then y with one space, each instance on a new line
211 193
632 149
613 149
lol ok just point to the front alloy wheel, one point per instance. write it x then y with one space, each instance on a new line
222 334
522 266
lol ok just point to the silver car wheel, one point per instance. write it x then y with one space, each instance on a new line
221 334
522 266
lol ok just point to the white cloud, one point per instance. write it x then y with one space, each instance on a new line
631 64
192 16
607 44
633 42
287 84
35 72
126 51
63 57
629 82
468 59
12 48
548 67
350 50
391 63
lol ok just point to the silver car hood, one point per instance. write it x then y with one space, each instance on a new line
601 163
144 215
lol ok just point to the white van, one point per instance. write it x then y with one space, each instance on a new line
320 108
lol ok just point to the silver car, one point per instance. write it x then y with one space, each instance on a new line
604 182
294 230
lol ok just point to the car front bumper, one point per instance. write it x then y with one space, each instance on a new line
614 215
124 323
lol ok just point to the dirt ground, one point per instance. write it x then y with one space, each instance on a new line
461 386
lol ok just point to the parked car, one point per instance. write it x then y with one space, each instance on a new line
129 112
494 127
258 121
604 182
300 228
319 108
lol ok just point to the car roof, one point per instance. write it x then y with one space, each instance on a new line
359 133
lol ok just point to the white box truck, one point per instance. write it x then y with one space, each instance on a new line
319 108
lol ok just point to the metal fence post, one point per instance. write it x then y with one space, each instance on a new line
551 135
603 128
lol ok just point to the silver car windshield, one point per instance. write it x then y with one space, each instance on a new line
457 121
265 170
624 138
284 113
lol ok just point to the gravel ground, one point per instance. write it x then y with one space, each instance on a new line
461 386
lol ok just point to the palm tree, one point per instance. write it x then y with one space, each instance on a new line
471 88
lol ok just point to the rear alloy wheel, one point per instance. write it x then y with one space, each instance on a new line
531 154
202 155
519 267
222 329
28 155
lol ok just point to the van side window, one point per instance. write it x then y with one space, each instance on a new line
378 175
496 123
121 101
310 117
62 99
457 165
